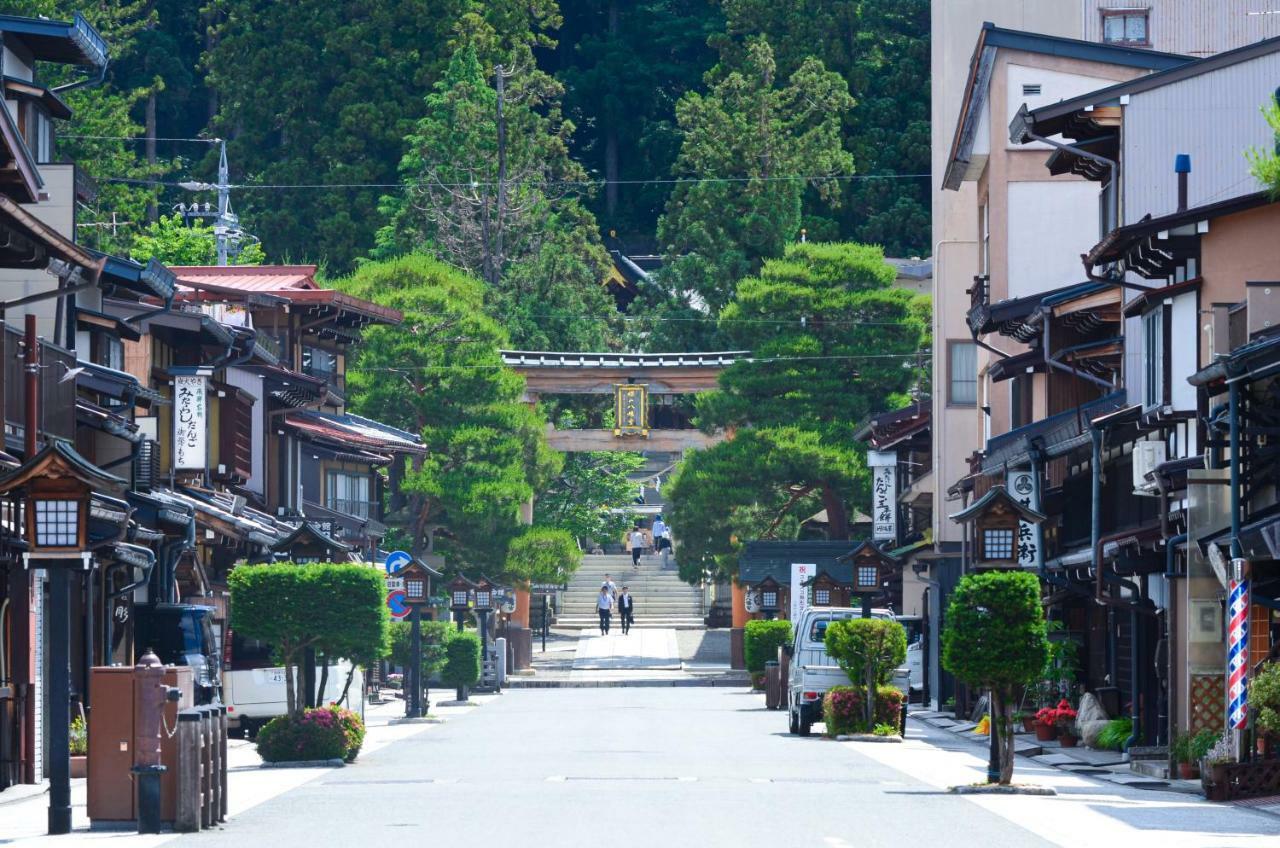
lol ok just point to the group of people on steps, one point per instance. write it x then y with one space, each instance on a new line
609 600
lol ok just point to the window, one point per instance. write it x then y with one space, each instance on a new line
317 362
769 600
997 543
1125 26
57 523
962 388
1153 356
415 589
868 575
822 597
350 494
1020 400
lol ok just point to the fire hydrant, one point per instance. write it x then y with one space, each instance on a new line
149 697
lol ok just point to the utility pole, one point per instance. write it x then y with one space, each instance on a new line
221 226
502 178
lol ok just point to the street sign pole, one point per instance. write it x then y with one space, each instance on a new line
544 622
415 667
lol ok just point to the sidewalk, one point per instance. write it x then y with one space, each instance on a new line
24 809
1109 766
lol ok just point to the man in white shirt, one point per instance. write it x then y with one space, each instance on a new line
604 606
637 546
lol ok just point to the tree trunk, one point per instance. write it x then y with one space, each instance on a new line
290 695
1002 709
870 708
152 210
346 687
837 515
324 681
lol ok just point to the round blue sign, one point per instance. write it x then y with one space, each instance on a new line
397 560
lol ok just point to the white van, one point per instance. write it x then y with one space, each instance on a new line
253 686
812 672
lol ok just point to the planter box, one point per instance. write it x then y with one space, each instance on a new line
1067 740
80 766
1046 732
1229 781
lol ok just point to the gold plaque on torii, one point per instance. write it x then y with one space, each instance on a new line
631 410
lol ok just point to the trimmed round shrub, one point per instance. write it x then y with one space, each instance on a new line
842 709
461 660
760 642
315 735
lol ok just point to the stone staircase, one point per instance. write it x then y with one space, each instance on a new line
662 598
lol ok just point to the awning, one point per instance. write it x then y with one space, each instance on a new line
226 515
353 431
151 280
116 384
1013 366
1058 434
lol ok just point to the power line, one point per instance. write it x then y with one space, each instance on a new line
136 138
533 183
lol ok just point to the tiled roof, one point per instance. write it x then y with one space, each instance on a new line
249 277
354 431
762 559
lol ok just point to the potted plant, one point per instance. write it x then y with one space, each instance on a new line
1213 769
1046 725
1066 724
78 737
1198 747
1027 720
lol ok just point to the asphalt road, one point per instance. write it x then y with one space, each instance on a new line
616 768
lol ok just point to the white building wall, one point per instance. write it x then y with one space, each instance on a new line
1050 224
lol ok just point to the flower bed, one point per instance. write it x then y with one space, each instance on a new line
843 709
326 733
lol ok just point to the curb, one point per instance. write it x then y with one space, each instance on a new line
619 684
867 737
336 762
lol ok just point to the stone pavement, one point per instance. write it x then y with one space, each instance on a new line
639 649
651 657
24 810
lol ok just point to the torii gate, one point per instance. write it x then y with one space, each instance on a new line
630 378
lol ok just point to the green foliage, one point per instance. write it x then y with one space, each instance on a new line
339 109
816 371
171 241
1264 698
1115 734
624 66
78 737
995 632
582 497
538 249
753 136
439 374
543 555
761 640
434 636
338 609
1264 163
881 49
867 648
1201 744
324 733
462 660
844 710
1180 748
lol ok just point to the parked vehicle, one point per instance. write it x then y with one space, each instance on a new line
812 672
914 625
182 634
253 686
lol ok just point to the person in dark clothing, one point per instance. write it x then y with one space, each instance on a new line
626 605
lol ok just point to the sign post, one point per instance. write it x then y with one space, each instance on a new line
190 442
409 582
801 573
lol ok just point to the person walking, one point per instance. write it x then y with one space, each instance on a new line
604 606
661 537
637 546
626 608
611 587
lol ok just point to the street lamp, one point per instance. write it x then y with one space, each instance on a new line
870 566
769 592
416 580
58 484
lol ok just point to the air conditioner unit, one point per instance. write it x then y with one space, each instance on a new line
1146 456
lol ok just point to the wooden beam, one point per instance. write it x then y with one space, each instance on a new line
660 441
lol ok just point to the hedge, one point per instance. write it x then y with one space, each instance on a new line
843 712
760 641
461 660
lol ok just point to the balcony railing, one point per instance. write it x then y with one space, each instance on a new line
356 509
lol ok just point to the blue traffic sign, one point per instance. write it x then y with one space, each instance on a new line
397 560
397 603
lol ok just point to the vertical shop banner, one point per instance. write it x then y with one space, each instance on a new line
190 424
884 494
801 572
1025 488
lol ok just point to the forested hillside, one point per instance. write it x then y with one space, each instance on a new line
710 132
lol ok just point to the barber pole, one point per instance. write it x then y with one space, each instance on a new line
1238 648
